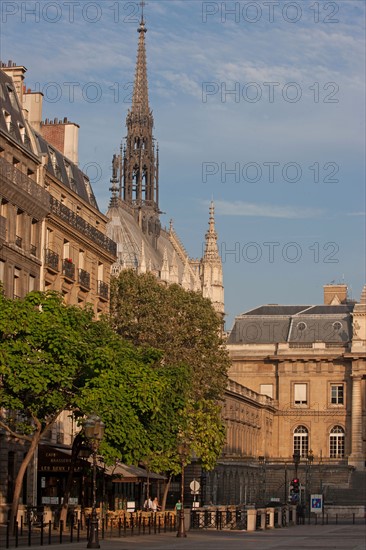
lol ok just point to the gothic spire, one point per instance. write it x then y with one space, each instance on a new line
211 250
140 98
212 280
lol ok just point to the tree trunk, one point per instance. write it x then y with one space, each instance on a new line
19 479
165 495
74 455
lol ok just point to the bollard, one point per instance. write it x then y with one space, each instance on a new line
119 526
29 533
21 525
124 526
49 531
16 534
78 531
42 527
149 525
61 529
7 534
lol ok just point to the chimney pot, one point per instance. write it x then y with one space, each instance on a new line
65 119
55 120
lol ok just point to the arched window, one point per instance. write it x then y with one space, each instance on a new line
336 442
301 441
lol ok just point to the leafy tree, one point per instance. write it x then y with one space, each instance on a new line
54 357
181 323
187 330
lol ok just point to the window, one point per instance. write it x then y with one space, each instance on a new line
336 442
17 290
2 270
300 394
301 441
336 394
267 389
31 283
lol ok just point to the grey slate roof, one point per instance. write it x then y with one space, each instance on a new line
271 324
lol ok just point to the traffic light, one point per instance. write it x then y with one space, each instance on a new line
294 491
296 485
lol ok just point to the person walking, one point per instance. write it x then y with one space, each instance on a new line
155 505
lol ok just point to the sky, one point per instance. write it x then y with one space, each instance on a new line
258 105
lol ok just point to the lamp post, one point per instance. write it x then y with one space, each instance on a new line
182 451
94 431
296 459
309 461
262 480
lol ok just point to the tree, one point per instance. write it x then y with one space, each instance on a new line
55 357
181 323
187 330
44 355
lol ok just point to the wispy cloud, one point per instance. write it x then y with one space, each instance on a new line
245 209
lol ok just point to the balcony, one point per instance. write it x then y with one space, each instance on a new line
103 290
19 187
84 279
51 260
68 269
33 250
18 241
78 223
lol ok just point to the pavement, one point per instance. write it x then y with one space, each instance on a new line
300 537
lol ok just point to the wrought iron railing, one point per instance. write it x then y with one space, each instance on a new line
18 241
103 290
68 270
78 223
33 250
51 259
84 279
9 173
2 228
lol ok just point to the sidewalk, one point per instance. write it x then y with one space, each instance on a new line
301 537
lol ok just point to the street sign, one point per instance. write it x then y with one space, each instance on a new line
195 486
316 503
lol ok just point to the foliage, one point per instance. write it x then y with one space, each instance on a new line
181 323
186 328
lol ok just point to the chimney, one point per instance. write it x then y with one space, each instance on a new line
33 102
63 135
16 73
335 294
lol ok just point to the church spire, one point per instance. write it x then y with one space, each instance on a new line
211 250
140 98
140 164
212 279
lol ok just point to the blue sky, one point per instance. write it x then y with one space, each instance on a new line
259 105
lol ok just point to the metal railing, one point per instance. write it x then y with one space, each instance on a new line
51 259
84 279
18 241
103 290
13 176
68 270
78 223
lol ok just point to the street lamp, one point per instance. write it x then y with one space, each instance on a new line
296 459
94 431
262 480
309 461
182 451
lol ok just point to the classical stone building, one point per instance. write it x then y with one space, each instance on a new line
310 362
52 233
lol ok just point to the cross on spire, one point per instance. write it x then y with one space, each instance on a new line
142 4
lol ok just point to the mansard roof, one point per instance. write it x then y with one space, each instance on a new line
66 171
272 323
12 121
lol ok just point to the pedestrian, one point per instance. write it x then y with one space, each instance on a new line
178 506
155 505
148 504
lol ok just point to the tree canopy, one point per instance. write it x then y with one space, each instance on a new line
181 323
186 329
